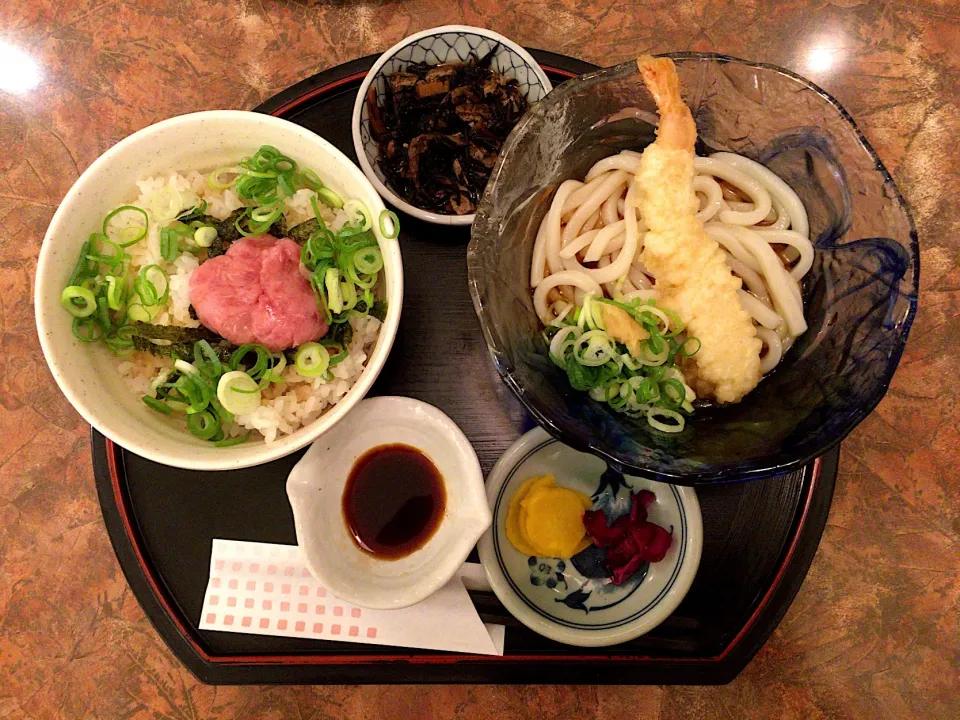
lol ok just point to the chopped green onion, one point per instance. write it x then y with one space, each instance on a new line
283 165
160 379
103 314
216 183
229 442
194 213
647 391
87 329
394 229
120 341
268 175
203 425
204 236
655 413
673 400
656 342
689 353
348 295
202 351
185 367
169 244
137 312
311 359
129 235
339 357
332 283
355 208
277 370
676 324
116 290
78 301
82 269
195 389
157 405
238 393
147 288
226 417
97 253
263 359
311 180
285 183
266 215
329 198
368 260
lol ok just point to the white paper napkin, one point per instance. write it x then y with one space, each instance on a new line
266 589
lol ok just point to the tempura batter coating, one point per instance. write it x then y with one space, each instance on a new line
692 277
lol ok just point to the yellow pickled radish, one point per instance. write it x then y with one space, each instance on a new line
546 520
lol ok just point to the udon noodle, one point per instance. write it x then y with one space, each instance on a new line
588 243
663 277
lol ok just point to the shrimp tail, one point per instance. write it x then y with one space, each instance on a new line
677 129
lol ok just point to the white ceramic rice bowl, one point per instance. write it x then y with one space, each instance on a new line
87 373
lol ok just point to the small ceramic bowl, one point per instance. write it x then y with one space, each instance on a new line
315 489
447 44
572 601
87 373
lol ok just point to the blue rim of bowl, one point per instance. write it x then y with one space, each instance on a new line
566 623
364 164
748 469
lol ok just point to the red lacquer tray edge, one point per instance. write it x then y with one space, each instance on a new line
215 668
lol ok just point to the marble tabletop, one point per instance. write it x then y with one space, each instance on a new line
875 630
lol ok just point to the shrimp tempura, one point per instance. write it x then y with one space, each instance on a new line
692 277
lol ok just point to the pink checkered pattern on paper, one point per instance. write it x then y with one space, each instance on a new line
251 591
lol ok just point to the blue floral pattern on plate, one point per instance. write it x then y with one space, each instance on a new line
577 593
582 583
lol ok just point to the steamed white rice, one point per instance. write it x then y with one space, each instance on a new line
286 406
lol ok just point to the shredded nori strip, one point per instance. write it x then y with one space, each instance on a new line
379 310
227 230
173 333
440 129
342 334
176 340
181 349
302 232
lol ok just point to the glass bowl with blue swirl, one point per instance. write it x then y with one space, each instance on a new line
860 297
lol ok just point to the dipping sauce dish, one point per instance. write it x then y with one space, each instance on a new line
381 577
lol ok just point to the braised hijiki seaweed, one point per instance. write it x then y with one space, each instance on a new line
440 128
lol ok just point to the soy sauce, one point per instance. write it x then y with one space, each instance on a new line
393 501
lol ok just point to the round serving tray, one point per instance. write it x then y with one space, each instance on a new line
759 537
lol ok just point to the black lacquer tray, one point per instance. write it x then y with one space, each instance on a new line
759 537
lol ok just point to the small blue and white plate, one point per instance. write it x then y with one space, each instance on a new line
572 601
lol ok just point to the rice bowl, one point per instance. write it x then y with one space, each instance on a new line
174 157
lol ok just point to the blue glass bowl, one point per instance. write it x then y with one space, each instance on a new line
860 296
